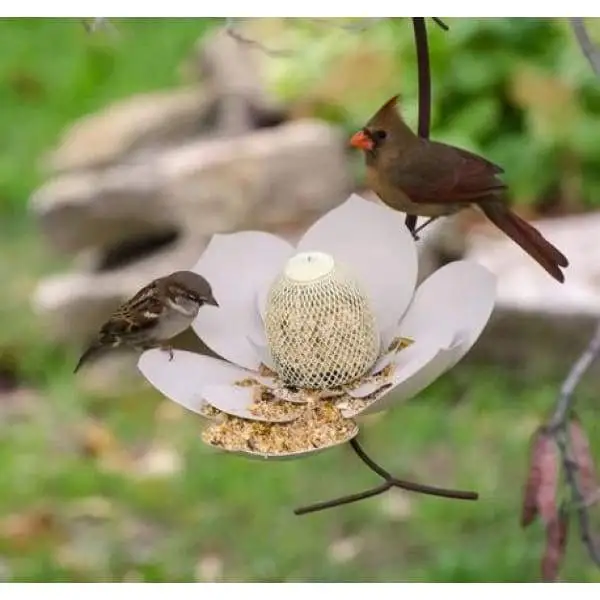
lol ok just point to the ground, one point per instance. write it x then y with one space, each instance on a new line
101 486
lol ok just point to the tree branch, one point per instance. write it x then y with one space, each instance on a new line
589 49
234 32
559 429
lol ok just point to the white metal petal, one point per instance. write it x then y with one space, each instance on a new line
383 361
458 299
407 385
237 401
409 362
263 353
373 241
183 378
452 307
238 266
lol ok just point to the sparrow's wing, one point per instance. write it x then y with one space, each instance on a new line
139 314
439 173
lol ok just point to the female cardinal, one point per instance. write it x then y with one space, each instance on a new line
431 179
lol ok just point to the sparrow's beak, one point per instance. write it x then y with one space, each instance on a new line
210 300
362 141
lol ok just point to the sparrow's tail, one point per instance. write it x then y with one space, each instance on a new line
92 349
528 237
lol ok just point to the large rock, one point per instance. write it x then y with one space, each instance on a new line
525 287
539 325
142 121
278 179
263 179
233 70
229 99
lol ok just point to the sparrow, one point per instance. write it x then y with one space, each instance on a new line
158 312
426 178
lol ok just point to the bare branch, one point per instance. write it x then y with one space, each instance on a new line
234 32
559 428
440 23
589 49
564 403
363 25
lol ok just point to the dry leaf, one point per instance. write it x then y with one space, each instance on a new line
159 461
547 461
556 544
582 456
26 528
209 568
542 480
97 508
397 505
97 440
344 550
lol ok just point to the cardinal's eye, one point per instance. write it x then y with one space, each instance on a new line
379 135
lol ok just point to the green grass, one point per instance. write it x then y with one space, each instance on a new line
67 514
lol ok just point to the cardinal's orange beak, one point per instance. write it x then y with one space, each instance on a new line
362 141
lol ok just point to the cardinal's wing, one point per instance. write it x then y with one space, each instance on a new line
438 173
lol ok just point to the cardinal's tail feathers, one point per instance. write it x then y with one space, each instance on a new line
528 237
90 351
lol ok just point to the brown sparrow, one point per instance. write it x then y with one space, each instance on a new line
158 312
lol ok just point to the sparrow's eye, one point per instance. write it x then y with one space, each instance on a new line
379 135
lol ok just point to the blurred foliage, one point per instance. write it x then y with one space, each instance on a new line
53 71
517 90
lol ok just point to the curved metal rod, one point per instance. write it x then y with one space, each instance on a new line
424 74
389 482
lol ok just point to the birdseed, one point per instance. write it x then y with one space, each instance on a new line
321 333
248 382
209 411
319 425
400 343
353 406
266 407
318 419
264 371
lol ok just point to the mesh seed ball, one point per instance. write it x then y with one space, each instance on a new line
320 327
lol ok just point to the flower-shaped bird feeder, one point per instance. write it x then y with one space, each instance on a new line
314 336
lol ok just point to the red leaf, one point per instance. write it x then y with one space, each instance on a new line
529 510
584 460
542 480
556 543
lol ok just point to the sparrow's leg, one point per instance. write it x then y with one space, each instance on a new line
169 349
